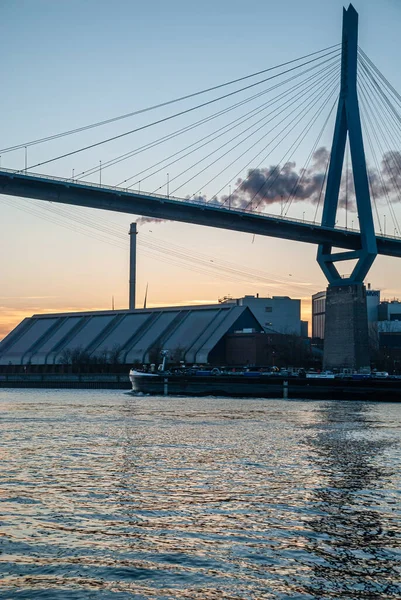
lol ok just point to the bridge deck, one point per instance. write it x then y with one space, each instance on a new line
67 191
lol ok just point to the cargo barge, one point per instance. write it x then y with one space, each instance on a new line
259 385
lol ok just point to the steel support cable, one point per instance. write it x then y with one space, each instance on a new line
53 219
201 270
119 232
321 188
238 121
255 156
294 147
306 165
371 187
223 263
365 102
380 74
283 110
159 121
385 136
377 116
265 157
372 192
188 256
232 273
390 109
287 156
383 184
232 270
208 271
394 111
187 128
162 104
123 246
220 172
380 105
300 114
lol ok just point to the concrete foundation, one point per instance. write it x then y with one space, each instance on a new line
346 339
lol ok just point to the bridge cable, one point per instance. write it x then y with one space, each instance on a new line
302 172
159 121
369 173
365 102
221 268
295 99
289 132
385 101
321 188
297 143
241 120
163 104
379 172
264 158
187 128
380 121
396 157
380 74
301 114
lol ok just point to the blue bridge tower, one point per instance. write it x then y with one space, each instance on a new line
346 325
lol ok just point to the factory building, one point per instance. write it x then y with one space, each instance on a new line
194 334
279 314
390 312
389 324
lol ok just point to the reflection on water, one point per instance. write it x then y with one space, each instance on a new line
355 550
104 495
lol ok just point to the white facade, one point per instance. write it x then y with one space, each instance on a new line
279 314
372 304
389 319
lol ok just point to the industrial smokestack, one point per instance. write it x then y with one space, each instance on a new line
132 266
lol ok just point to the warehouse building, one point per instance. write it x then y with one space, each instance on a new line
194 334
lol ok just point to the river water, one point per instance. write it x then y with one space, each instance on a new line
106 495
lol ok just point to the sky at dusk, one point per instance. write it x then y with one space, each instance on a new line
67 64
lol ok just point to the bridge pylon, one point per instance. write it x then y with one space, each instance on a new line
346 326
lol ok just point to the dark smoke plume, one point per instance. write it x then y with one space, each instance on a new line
277 184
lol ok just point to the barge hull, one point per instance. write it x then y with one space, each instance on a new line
269 387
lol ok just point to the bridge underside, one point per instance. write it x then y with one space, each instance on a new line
162 207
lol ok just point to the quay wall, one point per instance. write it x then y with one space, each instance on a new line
65 381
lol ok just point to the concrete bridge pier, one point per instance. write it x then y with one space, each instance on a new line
346 336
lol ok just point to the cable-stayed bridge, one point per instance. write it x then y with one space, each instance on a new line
283 110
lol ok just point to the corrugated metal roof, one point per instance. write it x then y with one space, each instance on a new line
191 331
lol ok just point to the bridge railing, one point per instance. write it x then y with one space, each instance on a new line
121 190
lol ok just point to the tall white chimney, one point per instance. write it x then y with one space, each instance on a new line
132 266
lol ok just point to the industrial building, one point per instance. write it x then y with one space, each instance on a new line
279 314
194 334
389 324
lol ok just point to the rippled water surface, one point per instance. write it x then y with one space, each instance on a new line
105 495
